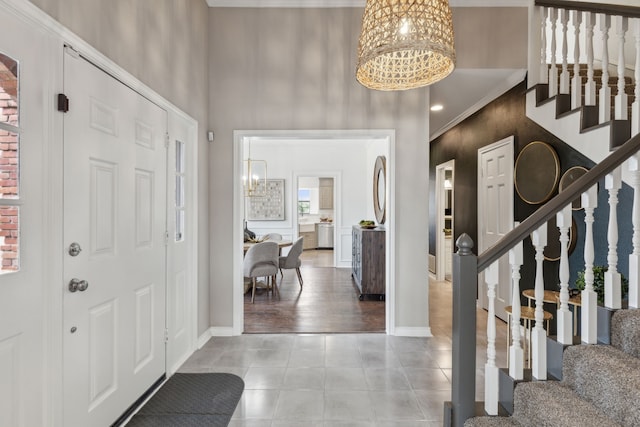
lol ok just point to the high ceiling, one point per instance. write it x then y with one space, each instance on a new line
471 85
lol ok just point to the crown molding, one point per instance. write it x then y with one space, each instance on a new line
353 3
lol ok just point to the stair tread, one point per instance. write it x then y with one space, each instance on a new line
607 377
549 403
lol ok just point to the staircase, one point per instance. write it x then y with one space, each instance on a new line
600 385
594 106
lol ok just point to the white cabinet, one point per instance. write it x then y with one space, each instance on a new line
325 193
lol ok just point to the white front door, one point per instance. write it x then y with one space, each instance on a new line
181 292
115 210
495 213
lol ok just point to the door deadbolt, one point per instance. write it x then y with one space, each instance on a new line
74 249
78 285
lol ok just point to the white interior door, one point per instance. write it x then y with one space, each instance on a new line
115 209
495 213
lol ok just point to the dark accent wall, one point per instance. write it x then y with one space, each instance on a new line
500 119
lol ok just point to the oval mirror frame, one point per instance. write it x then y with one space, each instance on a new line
380 189
536 172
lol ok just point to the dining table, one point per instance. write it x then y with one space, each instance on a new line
281 244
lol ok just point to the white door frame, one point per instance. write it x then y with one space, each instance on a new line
482 289
337 206
238 195
440 197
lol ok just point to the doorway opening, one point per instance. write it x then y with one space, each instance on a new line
342 163
315 217
445 211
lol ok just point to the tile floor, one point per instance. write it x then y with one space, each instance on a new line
344 379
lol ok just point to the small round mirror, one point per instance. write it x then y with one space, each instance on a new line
379 189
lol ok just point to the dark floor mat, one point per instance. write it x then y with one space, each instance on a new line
191 400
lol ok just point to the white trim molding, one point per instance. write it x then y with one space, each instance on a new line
413 331
387 135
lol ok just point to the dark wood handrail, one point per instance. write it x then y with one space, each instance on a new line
609 9
556 204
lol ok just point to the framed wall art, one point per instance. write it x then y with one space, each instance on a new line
269 207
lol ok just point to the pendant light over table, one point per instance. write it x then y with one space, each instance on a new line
405 44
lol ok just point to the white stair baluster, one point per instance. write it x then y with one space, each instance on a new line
590 86
491 276
622 109
544 68
516 353
589 297
553 69
635 108
576 82
612 282
564 325
564 76
605 90
538 335
634 257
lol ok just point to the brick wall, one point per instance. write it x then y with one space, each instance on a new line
9 217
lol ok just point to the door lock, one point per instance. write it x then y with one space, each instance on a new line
78 285
74 249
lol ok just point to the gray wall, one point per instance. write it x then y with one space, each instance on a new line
164 44
295 69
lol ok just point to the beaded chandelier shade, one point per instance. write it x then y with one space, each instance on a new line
405 44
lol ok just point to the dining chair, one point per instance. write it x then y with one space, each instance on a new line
261 260
274 237
292 259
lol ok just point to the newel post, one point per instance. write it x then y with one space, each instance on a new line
465 283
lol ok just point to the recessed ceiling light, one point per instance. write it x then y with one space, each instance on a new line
437 107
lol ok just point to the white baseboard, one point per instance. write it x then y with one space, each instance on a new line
202 339
410 331
226 331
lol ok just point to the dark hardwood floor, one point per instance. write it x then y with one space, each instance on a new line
327 303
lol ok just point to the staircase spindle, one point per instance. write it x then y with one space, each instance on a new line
590 86
635 109
605 90
564 76
516 353
544 69
576 82
491 276
553 69
539 335
622 109
612 282
564 325
589 297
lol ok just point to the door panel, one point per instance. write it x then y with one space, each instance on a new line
115 208
495 214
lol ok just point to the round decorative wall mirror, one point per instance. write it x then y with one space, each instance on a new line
537 172
379 189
